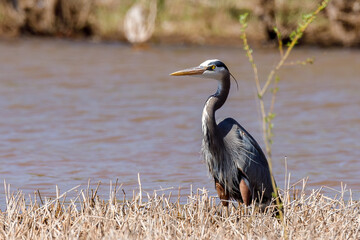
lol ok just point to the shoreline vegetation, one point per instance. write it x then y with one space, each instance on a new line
198 22
82 214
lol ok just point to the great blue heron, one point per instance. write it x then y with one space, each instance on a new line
235 160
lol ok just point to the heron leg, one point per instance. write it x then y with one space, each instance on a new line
222 194
245 192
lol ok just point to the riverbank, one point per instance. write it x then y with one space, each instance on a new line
183 22
159 216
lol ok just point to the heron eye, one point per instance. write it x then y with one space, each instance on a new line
211 67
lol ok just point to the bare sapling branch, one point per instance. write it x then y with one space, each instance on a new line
268 115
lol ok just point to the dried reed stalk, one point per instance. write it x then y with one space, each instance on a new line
86 216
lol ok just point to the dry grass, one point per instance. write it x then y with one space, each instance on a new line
86 216
10 20
190 21
181 21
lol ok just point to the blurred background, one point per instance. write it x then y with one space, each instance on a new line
181 21
79 103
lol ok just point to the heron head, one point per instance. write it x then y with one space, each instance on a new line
214 69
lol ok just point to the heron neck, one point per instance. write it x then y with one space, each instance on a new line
213 103
222 93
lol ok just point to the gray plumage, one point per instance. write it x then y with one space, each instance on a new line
229 151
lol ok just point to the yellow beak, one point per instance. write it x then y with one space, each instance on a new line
190 71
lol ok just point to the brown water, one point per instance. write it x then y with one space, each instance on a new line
73 111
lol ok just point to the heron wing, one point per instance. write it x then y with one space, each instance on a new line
247 155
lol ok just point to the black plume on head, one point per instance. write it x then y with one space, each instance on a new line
219 64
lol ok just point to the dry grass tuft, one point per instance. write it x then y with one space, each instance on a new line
73 16
87 216
10 19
